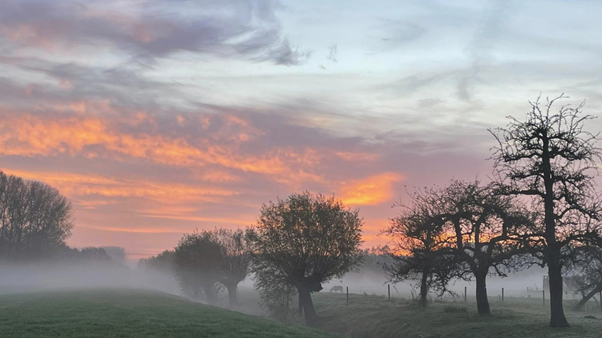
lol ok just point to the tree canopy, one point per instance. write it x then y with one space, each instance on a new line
35 219
310 239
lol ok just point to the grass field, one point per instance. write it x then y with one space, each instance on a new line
129 313
134 313
374 316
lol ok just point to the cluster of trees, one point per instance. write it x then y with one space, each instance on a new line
35 219
35 222
540 208
209 259
297 244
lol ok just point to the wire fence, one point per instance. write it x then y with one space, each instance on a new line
467 295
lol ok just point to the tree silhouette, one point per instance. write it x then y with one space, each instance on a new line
309 239
35 219
235 260
485 228
587 273
550 157
197 260
422 250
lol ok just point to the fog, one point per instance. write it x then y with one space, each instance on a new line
519 284
57 275
16 278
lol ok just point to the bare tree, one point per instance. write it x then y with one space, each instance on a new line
550 157
309 239
422 250
486 228
586 275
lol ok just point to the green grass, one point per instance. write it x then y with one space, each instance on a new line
129 313
374 316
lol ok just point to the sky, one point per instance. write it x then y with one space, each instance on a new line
159 117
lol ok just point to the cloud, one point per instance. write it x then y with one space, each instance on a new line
373 190
152 29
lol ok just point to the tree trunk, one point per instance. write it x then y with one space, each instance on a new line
232 295
424 290
482 300
311 318
557 318
300 303
586 298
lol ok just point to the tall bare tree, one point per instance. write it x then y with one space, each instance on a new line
309 239
550 157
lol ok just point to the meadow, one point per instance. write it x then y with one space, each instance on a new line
129 313
140 313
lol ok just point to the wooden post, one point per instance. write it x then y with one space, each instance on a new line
465 299
502 295
347 294
389 290
543 294
601 300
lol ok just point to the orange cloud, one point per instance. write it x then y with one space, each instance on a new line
370 191
75 186
357 157
138 230
94 137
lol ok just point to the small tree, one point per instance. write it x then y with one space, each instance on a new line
587 273
235 260
309 239
197 260
485 228
550 157
276 291
422 249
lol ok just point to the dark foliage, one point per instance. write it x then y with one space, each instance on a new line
306 240
35 219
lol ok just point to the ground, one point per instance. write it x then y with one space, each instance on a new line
135 313
375 316
129 313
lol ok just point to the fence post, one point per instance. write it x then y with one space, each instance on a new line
389 290
543 293
465 299
502 295
347 294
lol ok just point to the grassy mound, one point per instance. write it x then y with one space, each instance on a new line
129 313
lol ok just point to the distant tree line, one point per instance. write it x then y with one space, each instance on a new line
35 219
35 222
